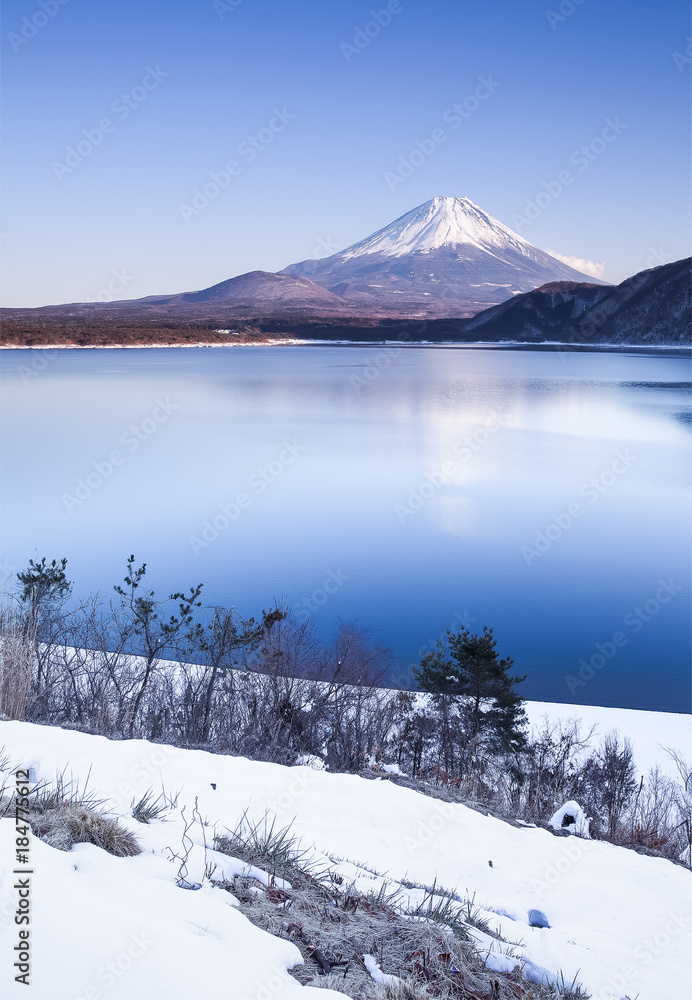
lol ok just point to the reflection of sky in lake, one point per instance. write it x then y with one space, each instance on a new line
559 419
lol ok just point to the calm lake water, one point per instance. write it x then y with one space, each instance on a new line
416 489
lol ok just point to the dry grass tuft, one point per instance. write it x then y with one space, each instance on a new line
69 824
148 808
276 850
62 815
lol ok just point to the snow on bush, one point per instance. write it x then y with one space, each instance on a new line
393 769
310 760
571 818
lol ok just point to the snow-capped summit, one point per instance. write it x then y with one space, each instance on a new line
440 222
446 257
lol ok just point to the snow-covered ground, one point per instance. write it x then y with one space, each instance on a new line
121 929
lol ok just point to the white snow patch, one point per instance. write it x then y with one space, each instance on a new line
571 817
393 769
312 761
376 972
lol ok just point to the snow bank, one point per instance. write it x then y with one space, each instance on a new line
619 922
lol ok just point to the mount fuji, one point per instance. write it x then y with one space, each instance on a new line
444 258
445 269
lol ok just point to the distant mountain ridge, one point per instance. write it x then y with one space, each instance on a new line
445 270
246 290
653 306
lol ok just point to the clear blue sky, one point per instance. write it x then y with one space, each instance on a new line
321 180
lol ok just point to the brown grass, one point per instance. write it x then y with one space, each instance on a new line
70 824
334 926
62 815
16 669
431 960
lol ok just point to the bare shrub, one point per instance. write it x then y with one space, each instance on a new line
610 783
270 689
17 659
682 832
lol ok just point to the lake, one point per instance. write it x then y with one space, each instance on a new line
413 489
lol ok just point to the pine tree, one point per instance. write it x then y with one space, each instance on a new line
466 669
44 583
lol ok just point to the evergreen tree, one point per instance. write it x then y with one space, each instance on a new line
45 589
44 583
466 669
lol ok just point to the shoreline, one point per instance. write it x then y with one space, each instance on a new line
298 342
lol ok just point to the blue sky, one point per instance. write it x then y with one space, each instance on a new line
335 112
